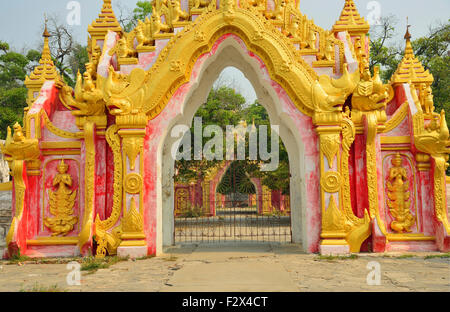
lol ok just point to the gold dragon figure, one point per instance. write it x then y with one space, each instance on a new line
399 197
88 99
370 93
61 203
329 95
124 94
107 243
434 138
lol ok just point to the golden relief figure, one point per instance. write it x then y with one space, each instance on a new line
61 203
182 197
426 98
125 47
399 197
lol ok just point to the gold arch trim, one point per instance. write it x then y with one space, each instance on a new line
398 117
55 130
175 63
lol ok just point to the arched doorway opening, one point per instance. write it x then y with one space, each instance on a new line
294 128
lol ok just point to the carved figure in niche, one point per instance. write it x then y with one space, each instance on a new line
398 197
61 203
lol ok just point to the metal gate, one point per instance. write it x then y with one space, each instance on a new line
234 217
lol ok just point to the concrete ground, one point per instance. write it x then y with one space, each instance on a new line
255 268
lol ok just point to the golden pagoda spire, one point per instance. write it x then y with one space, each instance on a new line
351 21
45 71
105 21
410 68
46 55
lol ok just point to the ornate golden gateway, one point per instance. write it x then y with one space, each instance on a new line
120 105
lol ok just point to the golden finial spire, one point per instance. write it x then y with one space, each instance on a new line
46 55
46 34
407 35
351 21
410 68
105 21
45 71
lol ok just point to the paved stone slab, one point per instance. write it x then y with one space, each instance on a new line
243 276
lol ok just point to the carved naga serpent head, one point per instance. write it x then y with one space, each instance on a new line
124 94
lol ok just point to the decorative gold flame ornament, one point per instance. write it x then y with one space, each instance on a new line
399 197
61 203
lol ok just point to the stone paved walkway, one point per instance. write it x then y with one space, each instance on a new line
247 268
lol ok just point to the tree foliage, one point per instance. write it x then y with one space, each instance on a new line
129 20
431 50
223 107
13 94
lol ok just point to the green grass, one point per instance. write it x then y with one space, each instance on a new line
28 260
42 288
92 264
331 258
441 256
18 258
145 257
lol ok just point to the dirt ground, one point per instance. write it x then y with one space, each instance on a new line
240 268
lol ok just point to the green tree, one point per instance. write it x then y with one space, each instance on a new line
13 94
142 10
431 50
223 107
78 59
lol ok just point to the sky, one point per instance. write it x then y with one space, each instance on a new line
21 20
